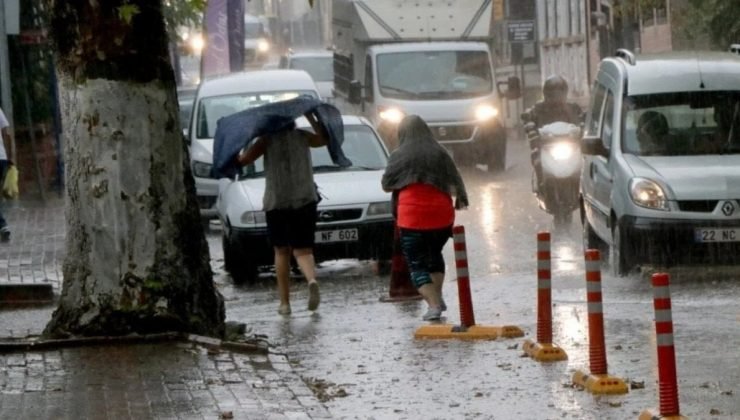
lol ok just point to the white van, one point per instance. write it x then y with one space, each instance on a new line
660 182
226 95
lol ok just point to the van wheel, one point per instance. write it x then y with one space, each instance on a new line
496 156
619 259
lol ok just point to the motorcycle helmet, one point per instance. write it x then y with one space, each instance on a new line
555 89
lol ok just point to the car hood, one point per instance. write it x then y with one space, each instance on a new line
201 150
325 89
709 177
336 188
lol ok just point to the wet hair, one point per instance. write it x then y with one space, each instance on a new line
652 123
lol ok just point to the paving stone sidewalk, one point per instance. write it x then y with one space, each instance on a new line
163 380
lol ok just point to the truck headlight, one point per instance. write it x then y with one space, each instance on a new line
647 193
202 169
485 112
253 217
392 115
263 45
379 209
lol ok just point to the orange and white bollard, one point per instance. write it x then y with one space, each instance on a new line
543 350
598 381
467 317
401 288
667 378
467 328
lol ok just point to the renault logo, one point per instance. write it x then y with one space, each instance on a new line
442 131
728 208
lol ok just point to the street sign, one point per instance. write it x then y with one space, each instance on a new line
521 30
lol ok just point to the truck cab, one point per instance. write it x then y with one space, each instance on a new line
394 59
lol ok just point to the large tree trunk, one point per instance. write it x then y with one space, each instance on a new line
136 258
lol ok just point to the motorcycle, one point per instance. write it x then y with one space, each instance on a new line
556 149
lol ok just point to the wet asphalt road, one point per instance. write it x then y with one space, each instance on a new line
362 355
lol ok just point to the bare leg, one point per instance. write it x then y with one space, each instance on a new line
304 257
282 271
438 279
430 294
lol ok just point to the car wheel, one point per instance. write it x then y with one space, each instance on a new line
592 241
241 268
618 256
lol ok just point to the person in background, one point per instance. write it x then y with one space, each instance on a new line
290 201
652 131
4 164
423 179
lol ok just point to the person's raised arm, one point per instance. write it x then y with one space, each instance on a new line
321 137
252 152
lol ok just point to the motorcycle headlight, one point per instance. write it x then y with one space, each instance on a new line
561 151
253 217
485 112
202 169
379 209
263 45
648 194
392 115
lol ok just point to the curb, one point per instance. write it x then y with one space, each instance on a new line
11 345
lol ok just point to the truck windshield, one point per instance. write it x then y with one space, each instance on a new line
420 75
684 123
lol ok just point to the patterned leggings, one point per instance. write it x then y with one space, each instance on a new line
423 252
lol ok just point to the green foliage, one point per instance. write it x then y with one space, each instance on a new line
126 12
178 13
720 19
633 7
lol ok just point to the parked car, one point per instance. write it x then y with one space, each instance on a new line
225 95
257 43
354 217
660 183
318 63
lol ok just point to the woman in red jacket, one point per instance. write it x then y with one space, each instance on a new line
423 179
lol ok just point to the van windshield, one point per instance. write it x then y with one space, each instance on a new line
420 75
211 109
684 123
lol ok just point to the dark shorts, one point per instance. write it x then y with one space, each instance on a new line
292 227
423 252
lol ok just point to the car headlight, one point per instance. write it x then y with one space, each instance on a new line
253 217
202 169
379 209
263 45
647 193
392 115
561 150
485 112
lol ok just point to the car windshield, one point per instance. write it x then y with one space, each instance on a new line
689 123
253 30
211 109
320 68
434 74
361 146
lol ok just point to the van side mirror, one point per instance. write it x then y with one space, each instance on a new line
594 145
513 88
355 92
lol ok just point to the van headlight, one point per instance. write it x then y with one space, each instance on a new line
485 112
647 193
253 217
202 169
379 209
392 115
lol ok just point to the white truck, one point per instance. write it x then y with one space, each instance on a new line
431 58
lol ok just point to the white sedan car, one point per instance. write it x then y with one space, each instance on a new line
354 217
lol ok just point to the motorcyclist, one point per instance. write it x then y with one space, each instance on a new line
553 108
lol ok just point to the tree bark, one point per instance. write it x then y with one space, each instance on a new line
136 255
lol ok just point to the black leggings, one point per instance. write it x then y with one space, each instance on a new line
423 252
